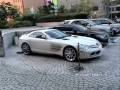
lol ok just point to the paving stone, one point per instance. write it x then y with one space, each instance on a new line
44 72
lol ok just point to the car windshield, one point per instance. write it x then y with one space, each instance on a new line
56 34
91 22
113 22
106 21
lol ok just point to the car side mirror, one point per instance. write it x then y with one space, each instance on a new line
88 26
44 37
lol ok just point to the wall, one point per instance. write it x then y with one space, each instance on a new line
17 3
8 39
35 4
69 3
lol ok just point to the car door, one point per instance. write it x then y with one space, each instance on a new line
80 31
39 43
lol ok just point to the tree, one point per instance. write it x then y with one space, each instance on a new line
46 9
61 9
85 6
7 9
51 7
3 13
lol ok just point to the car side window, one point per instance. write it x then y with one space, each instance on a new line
84 23
39 35
76 22
105 22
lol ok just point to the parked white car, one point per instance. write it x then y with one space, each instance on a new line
115 27
88 23
52 41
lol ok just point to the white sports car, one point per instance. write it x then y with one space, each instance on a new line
52 41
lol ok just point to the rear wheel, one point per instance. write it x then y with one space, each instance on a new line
113 33
26 49
70 54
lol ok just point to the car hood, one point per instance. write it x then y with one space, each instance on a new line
74 40
111 25
97 31
115 25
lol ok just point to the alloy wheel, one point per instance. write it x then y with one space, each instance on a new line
70 54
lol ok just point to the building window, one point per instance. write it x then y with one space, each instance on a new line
112 9
95 8
118 8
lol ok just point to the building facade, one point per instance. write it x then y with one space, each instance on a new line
32 5
114 9
18 3
98 4
69 3
24 5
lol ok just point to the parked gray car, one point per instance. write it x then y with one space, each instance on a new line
115 27
89 24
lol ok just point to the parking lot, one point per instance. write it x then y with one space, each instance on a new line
46 72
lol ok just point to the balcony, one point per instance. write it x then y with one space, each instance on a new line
115 9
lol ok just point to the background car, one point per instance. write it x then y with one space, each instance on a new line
115 27
89 24
73 29
53 41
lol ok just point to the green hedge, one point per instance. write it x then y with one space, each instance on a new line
58 18
17 24
3 24
30 17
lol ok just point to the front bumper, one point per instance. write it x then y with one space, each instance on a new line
116 30
91 53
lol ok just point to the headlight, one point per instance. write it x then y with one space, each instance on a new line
86 47
101 36
83 47
115 29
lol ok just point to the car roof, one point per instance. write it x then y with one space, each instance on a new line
68 25
75 19
101 19
87 20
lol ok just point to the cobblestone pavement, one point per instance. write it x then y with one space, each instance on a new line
44 72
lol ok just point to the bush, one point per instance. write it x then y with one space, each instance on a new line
3 24
58 18
31 18
17 24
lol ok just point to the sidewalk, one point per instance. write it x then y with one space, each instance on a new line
20 29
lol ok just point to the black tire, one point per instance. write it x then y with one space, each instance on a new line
113 33
104 44
70 54
26 49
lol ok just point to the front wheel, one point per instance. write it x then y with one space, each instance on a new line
70 54
113 33
26 49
